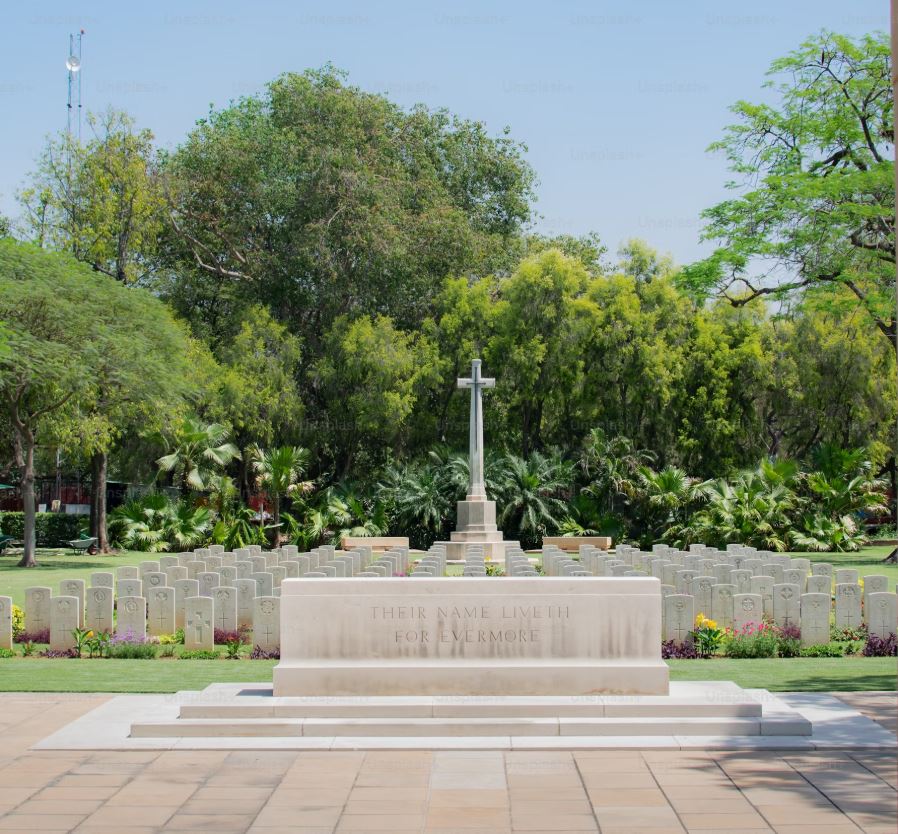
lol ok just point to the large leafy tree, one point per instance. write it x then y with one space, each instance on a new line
321 200
814 212
70 329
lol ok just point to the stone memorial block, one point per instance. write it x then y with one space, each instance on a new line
194 568
154 579
225 608
131 617
168 562
161 611
208 581
701 590
679 617
292 568
267 623
881 614
706 567
748 609
802 564
754 565
722 604
127 572
184 588
668 573
202 553
271 559
37 609
264 584
848 605
184 558
741 578
129 588
216 549
212 562
228 560
795 576
244 569
763 585
683 581
102 579
259 564
774 569
256 549
722 571
148 567
98 608
818 584
786 604
822 569
815 610
873 583
846 576
241 553
5 622
278 575
228 575
64 612
175 573
246 593
199 633
74 588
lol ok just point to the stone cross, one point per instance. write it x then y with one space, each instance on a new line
476 487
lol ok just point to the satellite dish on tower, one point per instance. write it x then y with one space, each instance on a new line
73 63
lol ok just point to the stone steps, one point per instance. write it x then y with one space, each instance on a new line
467 727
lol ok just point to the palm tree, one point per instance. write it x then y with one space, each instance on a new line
667 497
529 493
198 451
279 471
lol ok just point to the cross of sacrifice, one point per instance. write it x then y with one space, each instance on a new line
476 487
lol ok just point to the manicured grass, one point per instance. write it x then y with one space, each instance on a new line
54 565
783 675
798 674
160 675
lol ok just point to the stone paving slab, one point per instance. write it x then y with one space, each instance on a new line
424 791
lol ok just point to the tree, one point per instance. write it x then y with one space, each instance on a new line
70 329
101 201
817 203
198 452
321 200
279 471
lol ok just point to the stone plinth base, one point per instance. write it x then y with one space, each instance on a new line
472 636
492 550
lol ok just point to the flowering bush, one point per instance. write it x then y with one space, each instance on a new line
60 653
222 637
18 621
754 640
706 636
858 632
40 636
788 642
259 653
128 646
670 650
880 646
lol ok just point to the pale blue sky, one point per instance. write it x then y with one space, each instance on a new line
616 101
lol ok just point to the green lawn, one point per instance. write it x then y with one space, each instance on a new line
794 674
55 565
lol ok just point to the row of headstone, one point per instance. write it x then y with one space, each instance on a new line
517 562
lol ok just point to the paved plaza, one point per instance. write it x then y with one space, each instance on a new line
270 792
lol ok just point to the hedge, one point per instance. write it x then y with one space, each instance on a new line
51 528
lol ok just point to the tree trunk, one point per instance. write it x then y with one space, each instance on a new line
101 462
92 524
27 486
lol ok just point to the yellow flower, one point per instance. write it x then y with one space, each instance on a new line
90 634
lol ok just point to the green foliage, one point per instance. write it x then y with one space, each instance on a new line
756 640
155 523
7 653
132 651
18 620
824 650
200 654
51 529
278 472
815 210
198 452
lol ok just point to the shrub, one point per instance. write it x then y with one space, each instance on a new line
755 640
60 653
4 653
880 646
706 636
233 649
28 649
51 529
18 621
200 654
788 641
258 653
671 650
823 650
133 651
223 637
40 636
858 632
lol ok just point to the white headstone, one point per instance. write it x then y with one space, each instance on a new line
131 617
848 605
246 593
63 621
161 611
786 604
815 610
881 614
763 585
129 588
98 609
37 609
267 623
225 608
184 588
722 604
198 626
74 588
748 609
5 622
